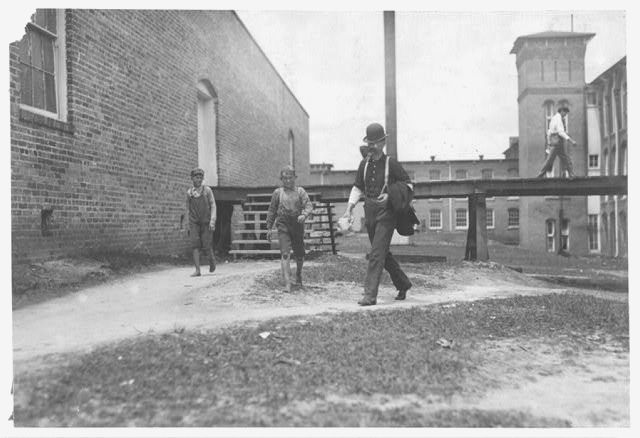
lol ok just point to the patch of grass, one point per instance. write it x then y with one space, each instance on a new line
237 378
336 268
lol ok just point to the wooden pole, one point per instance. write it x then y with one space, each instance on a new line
390 82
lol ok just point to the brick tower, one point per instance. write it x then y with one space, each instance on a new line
551 72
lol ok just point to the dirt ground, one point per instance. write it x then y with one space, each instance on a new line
589 388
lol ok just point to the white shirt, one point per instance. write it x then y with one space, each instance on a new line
557 127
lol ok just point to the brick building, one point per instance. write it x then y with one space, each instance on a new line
451 214
607 138
110 109
550 74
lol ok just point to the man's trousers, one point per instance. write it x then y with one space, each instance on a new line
381 222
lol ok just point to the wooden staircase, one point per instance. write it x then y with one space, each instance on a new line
251 236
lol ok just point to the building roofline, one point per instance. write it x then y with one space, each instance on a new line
604 73
244 26
548 35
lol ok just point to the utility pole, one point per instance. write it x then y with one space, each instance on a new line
390 82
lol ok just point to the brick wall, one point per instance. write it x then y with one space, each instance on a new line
114 176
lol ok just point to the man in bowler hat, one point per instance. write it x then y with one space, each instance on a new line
380 220
556 137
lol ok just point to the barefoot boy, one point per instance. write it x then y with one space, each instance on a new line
290 207
201 210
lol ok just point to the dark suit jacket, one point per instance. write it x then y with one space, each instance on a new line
400 197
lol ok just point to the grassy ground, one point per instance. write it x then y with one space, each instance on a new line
452 246
323 371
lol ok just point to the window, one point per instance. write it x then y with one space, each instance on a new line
550 226
564 235
549 110
461 173
461 218
618 107
435 219
555 70
593 161
592 230
43 65
608 115
605 228
490 218
569 70
542 71
207 141
624 104
514 218
292 150
434 174
591 98
606 162
487 173
612 162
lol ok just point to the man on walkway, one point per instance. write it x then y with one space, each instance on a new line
380 219
556 136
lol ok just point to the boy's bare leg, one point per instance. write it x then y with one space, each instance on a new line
212 260
286 271
299 263
196 262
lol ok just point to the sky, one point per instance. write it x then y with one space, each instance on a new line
456 80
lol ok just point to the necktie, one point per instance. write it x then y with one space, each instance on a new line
564 124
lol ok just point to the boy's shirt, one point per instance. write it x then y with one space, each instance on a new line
286 202
195 198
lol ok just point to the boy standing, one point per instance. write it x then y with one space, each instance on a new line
290 206
201 210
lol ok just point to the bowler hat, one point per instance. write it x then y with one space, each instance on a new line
375 133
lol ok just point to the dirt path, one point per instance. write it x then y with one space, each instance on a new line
590 390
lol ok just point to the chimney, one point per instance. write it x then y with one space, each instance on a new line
481 157
433 158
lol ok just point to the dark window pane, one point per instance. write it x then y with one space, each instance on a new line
26 95
50 90
51 20
38 89
47 52
36 50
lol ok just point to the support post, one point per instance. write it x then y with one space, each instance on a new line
390 82
476 248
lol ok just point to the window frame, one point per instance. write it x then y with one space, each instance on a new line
466 174
550 237
593 232
493 218
431 212
509 216
466 226
60 68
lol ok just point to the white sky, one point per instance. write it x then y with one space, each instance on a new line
456 81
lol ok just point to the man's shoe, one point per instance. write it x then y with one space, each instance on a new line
402 294
367 301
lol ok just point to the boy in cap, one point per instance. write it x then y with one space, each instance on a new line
201 210
290 206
